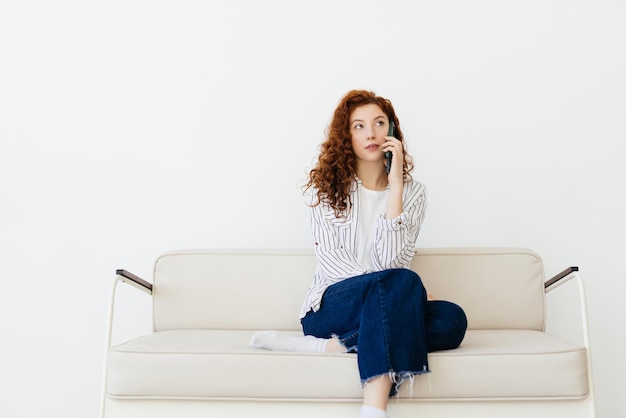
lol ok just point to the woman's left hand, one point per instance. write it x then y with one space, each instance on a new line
394 146
395 178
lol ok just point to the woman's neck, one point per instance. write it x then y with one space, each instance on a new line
372 176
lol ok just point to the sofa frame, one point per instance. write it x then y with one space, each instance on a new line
219 292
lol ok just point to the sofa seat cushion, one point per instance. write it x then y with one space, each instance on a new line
502 364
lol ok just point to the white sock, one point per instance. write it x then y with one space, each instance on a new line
273 340
371 412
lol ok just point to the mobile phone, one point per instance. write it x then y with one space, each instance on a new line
388 154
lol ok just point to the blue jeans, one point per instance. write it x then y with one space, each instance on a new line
385 318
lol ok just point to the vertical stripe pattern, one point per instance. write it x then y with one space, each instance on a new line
336 240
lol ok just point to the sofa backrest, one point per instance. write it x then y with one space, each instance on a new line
264 289
499 288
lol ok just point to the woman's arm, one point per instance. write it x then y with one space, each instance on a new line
394 244
394 205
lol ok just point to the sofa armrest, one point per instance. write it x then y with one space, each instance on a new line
564 277
135 281
560 278
121 275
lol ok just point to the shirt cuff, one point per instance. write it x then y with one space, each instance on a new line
392 224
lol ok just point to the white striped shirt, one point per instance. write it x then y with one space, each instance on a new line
337 240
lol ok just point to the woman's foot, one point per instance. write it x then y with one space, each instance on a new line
371 412
274 340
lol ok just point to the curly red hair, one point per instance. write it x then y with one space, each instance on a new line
335 170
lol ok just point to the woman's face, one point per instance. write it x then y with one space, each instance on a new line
368 126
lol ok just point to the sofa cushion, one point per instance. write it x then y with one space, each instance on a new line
203 289
220 364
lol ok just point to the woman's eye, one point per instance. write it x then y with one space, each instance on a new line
380 122
358 126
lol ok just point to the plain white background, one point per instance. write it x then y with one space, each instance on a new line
129 128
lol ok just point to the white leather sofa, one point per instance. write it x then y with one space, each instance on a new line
208 303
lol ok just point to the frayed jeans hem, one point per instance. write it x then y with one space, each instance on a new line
397 379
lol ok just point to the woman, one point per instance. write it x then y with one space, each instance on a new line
365 220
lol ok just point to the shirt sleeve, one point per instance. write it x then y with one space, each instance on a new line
335 261
394 244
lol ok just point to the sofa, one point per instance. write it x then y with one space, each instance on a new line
197 361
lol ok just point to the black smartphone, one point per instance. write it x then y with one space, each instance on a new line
388 154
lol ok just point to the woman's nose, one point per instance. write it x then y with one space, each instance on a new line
370 132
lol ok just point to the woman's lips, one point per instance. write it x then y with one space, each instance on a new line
372 147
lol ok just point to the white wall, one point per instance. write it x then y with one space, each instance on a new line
128 128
